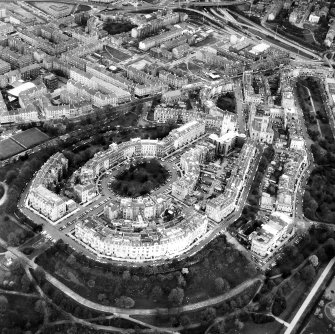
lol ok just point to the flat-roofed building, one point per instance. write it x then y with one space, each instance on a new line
47 203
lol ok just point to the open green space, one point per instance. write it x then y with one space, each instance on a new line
19 314
31 137
140 178
317 325
270 328
227 102
287 284
12 232
311 35
20 141
50 7
114 28
82 8
319 196
8 148
219 264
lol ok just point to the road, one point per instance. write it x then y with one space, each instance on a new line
309 298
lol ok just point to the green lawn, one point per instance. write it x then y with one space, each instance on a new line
268 328
31 137
317 326
8 226
218 259
140 178
293 299
8 148
20 312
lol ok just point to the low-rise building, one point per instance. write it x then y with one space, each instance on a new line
85 192
47 203
221 206
265 240
137 241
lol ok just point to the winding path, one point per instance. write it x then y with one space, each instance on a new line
166 311
131 312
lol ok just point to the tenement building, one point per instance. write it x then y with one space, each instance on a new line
141 239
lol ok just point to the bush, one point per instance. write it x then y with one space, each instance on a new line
176 296
279 305
259 318
125 302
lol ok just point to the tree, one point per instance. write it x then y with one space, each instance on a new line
3 304
185 320
57 296
308 273
47 288
11 175
208 315
221 285
329 247
16 267
125 302
321 254
101 297
314 260
13 239
181 281
39 306
25 283
265 301
279 305
239 324
71 260
126 275
156 293
176 296
39 275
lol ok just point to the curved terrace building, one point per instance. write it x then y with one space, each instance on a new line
137 229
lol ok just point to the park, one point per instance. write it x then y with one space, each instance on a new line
140 178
